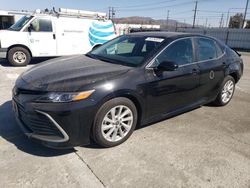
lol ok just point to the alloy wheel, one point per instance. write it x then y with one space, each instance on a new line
117 123
227 91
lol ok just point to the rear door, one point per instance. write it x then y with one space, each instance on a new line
42 39
211 61
172 90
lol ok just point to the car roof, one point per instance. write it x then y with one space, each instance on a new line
165 34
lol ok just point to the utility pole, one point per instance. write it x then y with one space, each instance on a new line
109 13
227 23
113 13
206 23
195 11
245 14
221 20
167 17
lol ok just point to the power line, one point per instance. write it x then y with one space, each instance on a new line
146 4
157 7
183 12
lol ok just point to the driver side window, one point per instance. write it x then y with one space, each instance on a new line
180 52
41 25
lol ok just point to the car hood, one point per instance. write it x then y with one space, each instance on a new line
68 74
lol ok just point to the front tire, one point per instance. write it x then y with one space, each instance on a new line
115 122
226 92
18 56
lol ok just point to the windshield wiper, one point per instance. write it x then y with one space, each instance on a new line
104 59
11 29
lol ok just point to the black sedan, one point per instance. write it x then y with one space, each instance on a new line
133 80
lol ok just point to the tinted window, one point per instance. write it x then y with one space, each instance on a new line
42 25
206 49
180 52
218 50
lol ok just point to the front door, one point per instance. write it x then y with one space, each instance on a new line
171 90
42 39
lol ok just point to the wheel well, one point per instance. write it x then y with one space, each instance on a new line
20 45
235 76
137 105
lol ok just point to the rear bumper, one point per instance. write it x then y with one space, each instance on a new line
70 123
3 52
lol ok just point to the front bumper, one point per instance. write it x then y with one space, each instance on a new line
63 125
3 52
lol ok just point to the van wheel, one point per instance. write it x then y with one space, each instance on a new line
18 56
114 122
226 92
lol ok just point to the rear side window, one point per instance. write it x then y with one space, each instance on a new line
180 52
206 49
218 50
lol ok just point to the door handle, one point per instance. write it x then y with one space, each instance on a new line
54 36
195 71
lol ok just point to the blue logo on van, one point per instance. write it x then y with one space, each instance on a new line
100 32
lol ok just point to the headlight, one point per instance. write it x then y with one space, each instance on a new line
65 97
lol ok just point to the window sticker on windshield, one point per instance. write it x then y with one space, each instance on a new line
153 39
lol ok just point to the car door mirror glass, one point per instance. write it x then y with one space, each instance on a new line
167 66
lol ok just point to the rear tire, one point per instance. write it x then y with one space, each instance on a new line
114 122
18 56
226 92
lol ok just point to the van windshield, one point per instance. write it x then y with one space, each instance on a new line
20 23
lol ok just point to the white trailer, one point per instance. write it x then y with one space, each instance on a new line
51 33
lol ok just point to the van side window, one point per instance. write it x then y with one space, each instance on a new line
206 49
180 52
42 25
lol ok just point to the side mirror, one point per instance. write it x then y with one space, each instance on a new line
31 28
167 66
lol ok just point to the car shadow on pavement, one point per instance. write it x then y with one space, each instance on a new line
34 61
10 132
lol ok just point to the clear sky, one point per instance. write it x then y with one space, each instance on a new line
181 10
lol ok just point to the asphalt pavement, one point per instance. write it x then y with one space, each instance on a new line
206 147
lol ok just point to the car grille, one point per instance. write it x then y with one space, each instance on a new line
38 123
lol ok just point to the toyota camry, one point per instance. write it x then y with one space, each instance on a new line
130 81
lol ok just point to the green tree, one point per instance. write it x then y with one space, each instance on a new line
236 20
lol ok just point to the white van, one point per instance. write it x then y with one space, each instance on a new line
48 34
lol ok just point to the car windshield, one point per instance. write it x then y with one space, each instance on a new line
128 50
20 23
